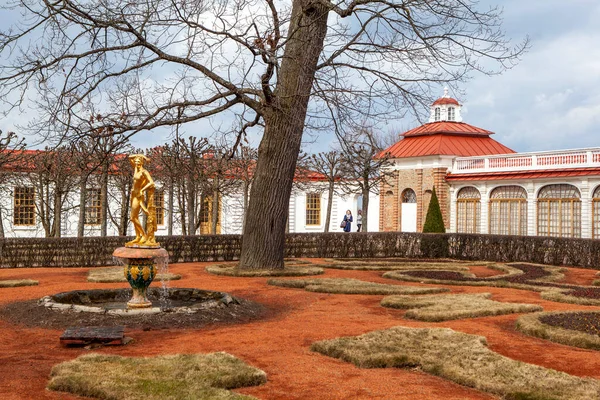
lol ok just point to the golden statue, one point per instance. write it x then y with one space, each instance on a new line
142 184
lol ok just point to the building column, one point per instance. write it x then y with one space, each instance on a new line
452 227
531 210
586 210
483 222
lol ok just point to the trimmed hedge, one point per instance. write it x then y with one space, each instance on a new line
93 251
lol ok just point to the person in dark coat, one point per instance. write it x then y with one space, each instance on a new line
348 220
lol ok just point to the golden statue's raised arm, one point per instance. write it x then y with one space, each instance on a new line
142 184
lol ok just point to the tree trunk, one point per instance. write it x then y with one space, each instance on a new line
246 190
264 230
365 210
181 200
214 218
124 217
82 196
57 222
170 203
329 206
191 209
104 201
1 224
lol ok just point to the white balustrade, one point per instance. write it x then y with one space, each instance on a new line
544 160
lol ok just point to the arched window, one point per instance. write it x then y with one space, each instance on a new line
468 210
559 211
451 116
596 214
409 196
508 211
438 113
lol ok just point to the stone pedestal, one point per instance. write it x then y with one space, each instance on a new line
140 270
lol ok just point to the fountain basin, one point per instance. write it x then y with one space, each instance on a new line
140 270
113 301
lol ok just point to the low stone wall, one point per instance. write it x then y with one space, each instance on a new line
95 251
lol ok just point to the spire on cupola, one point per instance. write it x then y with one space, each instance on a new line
445 109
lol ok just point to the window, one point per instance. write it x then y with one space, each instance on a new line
559 211
206 215
24 206
596 214
508 211
313 209
205 211
159 203
409 196
438 114
468 210
93 206
451 116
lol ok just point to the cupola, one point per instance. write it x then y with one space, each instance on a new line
445 109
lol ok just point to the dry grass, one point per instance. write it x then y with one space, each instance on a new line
115 274
351 286
496 281
596 282
194 376
289 270
531 325
559 295
454 306
17 283
397 266
459 357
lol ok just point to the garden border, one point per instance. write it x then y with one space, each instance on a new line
95 251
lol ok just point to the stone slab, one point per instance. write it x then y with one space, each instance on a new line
93 334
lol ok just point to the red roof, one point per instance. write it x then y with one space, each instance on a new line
506 175
439 144
445 100
451 127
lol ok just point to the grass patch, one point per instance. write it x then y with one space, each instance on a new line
532 325
454 306
562 296
459 357
397 266
115 274
193 376
17 282
290 269
351 286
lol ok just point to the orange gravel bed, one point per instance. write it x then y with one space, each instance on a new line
279 343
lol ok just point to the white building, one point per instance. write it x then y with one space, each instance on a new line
21 210
485 187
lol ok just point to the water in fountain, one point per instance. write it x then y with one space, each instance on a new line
162 265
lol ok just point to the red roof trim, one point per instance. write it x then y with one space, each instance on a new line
447 127
446 100
511 175
451 145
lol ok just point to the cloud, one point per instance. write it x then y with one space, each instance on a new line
549 101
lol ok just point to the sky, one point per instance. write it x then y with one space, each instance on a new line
549 101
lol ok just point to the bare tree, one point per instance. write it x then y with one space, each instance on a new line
362 165
220 178
330 166
52 175
261 61
11 151
243 166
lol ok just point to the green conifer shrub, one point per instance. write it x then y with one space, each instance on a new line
434 223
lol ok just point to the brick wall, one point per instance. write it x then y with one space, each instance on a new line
421 181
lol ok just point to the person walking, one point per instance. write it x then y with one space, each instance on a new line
359 221
347 221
